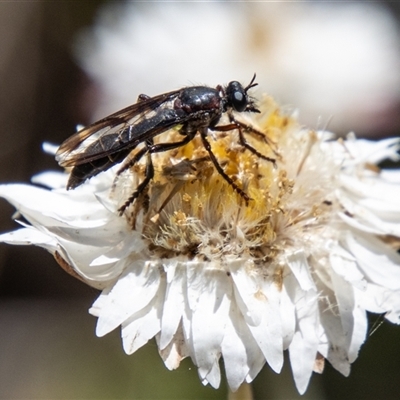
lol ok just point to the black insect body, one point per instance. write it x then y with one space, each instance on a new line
197 109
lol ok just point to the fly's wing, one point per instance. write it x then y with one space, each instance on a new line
122 130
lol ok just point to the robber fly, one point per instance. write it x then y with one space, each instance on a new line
196 109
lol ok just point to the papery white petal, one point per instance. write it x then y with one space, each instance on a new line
50 148
176 351
100 302
390 175
130 244
367 222
299 266
370 188
213 376
46 208
29 236
354 323
258 300
303 348
51 179
360 328
345 301
344 264
237 334
138 329
287 311
123 301
338 346
256 361
212 291
108 234
268 334
379 299
247 289
371 151
174 303
379 262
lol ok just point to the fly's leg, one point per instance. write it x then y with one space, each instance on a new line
149 149
255 132
246 145
153 148
149 174
243 141
218 167
128 163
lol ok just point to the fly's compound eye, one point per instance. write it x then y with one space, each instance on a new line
236 96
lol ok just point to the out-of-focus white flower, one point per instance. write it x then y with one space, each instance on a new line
209 277
338 63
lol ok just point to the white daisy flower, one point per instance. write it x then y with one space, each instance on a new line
211 278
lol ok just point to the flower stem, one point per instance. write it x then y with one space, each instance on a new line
243 393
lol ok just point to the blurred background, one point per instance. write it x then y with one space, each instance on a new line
68 63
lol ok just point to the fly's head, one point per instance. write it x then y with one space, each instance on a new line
236 96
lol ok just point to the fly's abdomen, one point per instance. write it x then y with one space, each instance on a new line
80 173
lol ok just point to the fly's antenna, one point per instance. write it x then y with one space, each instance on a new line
251 84
251 104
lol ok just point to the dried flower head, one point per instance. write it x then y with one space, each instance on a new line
210 277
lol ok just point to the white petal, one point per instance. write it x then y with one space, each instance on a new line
82 256
213 377
138 329
29 236
303 348
256 362
51 179
323 345
47 208
365 221
338 345
378 261
300 362
390 175
303 352
187 328
236 336
174 304
345 300
376 217
287 311
379 299
133 291
370 188
50 148
359 329
176 351
385 208
343 263
212 288
373 151
268 333
298 264
108 234
100 302
247 288
131 244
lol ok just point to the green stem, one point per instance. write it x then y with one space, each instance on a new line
243 393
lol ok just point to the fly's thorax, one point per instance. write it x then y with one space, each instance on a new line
199 98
